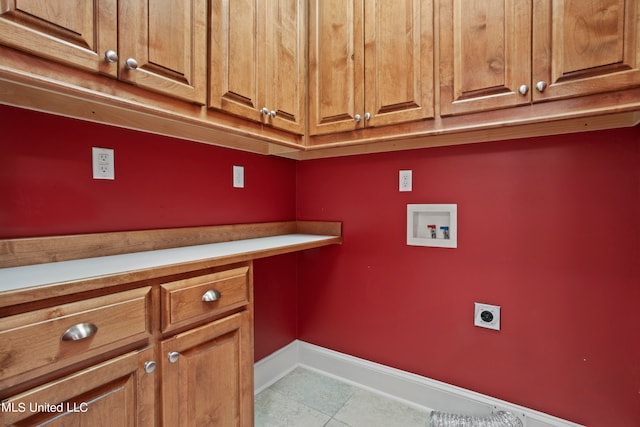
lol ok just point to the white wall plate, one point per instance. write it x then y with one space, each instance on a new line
432 225
486 316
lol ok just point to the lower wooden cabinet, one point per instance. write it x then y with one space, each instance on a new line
122 367
207 375
118 392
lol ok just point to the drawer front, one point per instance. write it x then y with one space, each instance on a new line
198 298
42 341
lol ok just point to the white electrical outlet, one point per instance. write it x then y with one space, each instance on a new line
103 163
406 179
238 177
487 316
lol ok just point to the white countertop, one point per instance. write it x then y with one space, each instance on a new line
15 278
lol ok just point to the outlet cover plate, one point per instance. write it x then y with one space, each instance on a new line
487 316
103 163
406 180
238 177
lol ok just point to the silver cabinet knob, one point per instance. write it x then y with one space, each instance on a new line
211 295
367 116
149 366
131 64
357 118
541 86
173 356
79 332
110 56
266 112
523 90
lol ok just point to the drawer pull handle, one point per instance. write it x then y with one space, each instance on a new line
173 356
79 332
211 295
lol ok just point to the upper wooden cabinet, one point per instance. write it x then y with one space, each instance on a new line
370 63
159 46
485 54
501 53
582 47
258 61
167 40
74 32
294 77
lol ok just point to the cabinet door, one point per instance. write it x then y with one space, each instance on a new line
167 39
336 65
209 379
398 61
585 46
73 32
233 58
258 60
117 393
282 82
485 54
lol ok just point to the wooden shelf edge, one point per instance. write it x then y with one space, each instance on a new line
473 134
195 123
327 228
126 106
191 122
55 290
38 250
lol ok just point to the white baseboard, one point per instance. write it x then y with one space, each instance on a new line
407 387
275 366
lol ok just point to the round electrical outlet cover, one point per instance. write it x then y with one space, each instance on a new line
486 316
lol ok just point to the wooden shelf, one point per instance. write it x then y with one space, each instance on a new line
166 252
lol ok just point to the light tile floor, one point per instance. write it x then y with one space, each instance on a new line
305 398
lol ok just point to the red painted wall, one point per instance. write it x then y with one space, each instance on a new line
549 228
276 302
46 188
46 183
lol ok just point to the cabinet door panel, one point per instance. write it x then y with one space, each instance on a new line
211 381
76 33
167 39
117 392
233 68
585 46
285 63
399 60
485 54
336 64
